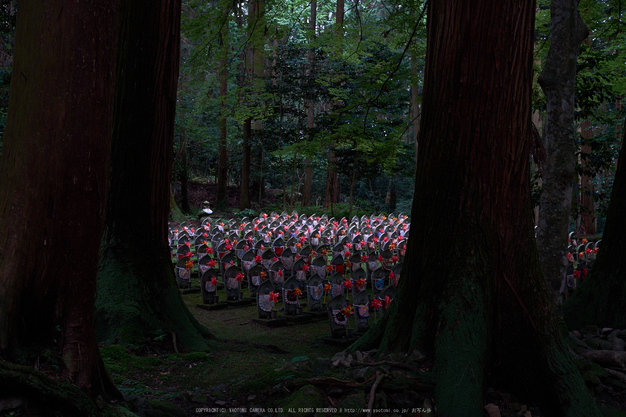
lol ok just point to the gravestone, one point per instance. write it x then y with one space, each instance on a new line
278 245
361 312
338 320
277 275
247 260
337 264
355 261
385 260
378 278
318 266
290 297
359 282
227 261
386 296
315 293
336 285
182 252
397 270
287 259
254 279
299 272
208 287
372 263
232 285
267 258
183 274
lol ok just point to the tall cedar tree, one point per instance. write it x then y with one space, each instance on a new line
137 294
558 81
53 182
473 297
600 299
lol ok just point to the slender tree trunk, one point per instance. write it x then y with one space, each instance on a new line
310 116
482 313
137 293
53 184
222 161
557 80
245 165
601 297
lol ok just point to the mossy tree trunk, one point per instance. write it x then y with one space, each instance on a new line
473 297
558 81
137 294
53 183
222 159
601 298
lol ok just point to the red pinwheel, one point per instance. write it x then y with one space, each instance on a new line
380 258
209 251
305 268
189 255
347 254
375 303
274 259
188 265
211 263
274 297
188 244
577 274
347 283
239 276
387 302
364 258
214 281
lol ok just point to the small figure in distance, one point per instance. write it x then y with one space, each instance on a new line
206 210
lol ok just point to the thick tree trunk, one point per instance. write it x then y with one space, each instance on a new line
53 183
601 297
558 79
137 294
472 296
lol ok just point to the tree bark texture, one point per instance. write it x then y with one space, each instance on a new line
601 297
472 295
222 159
53 183
244 200
137 294
310 116
558 81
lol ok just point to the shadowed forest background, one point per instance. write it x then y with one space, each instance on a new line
496 126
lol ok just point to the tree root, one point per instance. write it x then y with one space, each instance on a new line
370 403
23 381
606 358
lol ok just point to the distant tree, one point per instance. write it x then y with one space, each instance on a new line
137 294
601 297
472 295
53 184
558 81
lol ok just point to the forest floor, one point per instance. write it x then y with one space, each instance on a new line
254 370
